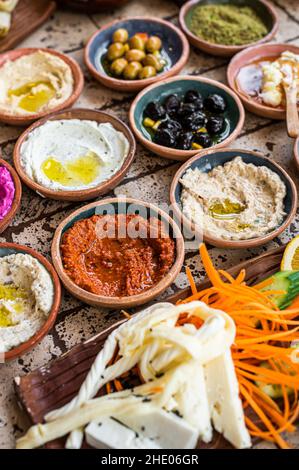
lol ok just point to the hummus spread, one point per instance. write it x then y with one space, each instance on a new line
34 83
119 265
73 154
7 191
235 201
26 298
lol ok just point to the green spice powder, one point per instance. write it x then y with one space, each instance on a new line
230 25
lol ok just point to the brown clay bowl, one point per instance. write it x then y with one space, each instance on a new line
118 205
296 153
206 161
5 222
78 85
174 42
179 85
248 56
262 7
91 6
85 194
12 248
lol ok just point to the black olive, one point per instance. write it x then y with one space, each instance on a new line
215 124
194 121
215 103
184 140
155 111
165 137
170 124
194 97
203 139
172 104
186 109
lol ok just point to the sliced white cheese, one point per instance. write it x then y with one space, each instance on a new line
225 404
166 429
8 5
112 434
5 22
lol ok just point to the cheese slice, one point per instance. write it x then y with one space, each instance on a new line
5 22
224 401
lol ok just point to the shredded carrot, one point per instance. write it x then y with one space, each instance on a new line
191 280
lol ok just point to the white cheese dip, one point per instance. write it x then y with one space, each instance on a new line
73 154
235 201
26 298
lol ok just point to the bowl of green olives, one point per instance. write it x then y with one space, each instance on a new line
130 54
181 116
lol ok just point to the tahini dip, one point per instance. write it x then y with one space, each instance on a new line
235 201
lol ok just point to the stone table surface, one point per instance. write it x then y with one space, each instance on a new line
148 179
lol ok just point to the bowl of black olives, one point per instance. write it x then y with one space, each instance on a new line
130 54
184 115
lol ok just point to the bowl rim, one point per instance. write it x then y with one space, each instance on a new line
80 194
221 243
296 152
77 74
46 327
177 153
261 109
118 302
4 223
222 48
137 84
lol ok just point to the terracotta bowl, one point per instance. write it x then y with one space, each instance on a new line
13 248
5 222
78 85
174 44
117 205
296 153
179 85
206 161
263 8
248 56
85 194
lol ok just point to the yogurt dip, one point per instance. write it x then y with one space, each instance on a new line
26 298
7 191
235 201
73 154
34 83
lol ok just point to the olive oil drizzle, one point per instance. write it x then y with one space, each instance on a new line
34 95
16 296
226 209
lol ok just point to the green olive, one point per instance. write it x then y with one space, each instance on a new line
147 72
131 70
115 51
136 42
135 55
151 59
120 35
118 65
153 44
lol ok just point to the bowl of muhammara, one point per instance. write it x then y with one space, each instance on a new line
74 155
10 194
118 252
30 299
130 54
233 198
180 116
223 28
35 82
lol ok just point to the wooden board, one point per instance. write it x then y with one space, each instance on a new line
51 386
27 17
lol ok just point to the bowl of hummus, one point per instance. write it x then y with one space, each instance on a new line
118 252
35 82
234 198
10 194
74 155
29 300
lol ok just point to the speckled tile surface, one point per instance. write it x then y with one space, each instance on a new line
38 218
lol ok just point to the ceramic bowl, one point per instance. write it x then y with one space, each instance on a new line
263 8
296 153
91 6
208 160
13 248
248 56
78 85
85 194
118 205
5 222
174 42
179 85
